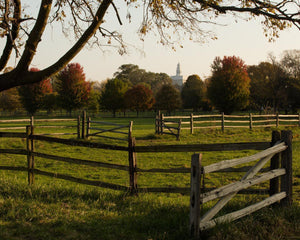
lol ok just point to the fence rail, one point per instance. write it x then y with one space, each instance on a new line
132 150
223 121
38 124
282 146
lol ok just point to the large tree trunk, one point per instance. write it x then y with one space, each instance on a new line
21 76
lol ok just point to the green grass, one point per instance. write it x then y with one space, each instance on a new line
57 209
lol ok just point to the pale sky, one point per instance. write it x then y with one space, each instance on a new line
243 39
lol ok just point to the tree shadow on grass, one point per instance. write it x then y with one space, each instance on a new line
66 213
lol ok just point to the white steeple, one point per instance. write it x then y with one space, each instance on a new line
178 71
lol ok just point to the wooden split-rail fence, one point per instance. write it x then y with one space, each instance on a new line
100 129
40 124
174 124
280 178
132 167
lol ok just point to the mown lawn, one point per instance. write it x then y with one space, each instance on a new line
57 209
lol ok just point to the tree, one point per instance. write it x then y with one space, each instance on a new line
72 87
185 18
229 85
10 100
112 97
269 84
136 76
168 98
32 95
139 98
192 93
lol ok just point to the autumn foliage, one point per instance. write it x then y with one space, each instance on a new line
229 85
32 95
139 98
73 89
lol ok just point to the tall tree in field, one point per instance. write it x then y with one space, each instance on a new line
23 28
112 97
32 95
139 98
168 98
72 87
229 85
192 93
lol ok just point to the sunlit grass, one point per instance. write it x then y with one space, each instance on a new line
57 209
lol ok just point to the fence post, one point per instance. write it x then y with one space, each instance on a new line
32 121
277 120
192 123
30 157
274 183
162 123
78 126
88 126
250 121
158 122
299 119
286 162
195 195
132 167
178 130
83 124
130 130
223 122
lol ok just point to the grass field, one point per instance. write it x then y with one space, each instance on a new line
57 209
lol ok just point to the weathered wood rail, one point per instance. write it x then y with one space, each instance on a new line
132 167
281 149
161 125
40 124
223 121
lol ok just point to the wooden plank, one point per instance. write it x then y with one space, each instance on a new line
182 190
170 170
288 116
176 117
208 116
237 186
195 195
56 120
79 143
264 116
243 212
132 166
204 147
264 126
109 130
236 116
215 121
288 120
236 121
101 136
12 135
274 164
237 161
14 120
82 181
286 163
110 123
80 161
14 151
11 168
12 128
54 126
264 121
